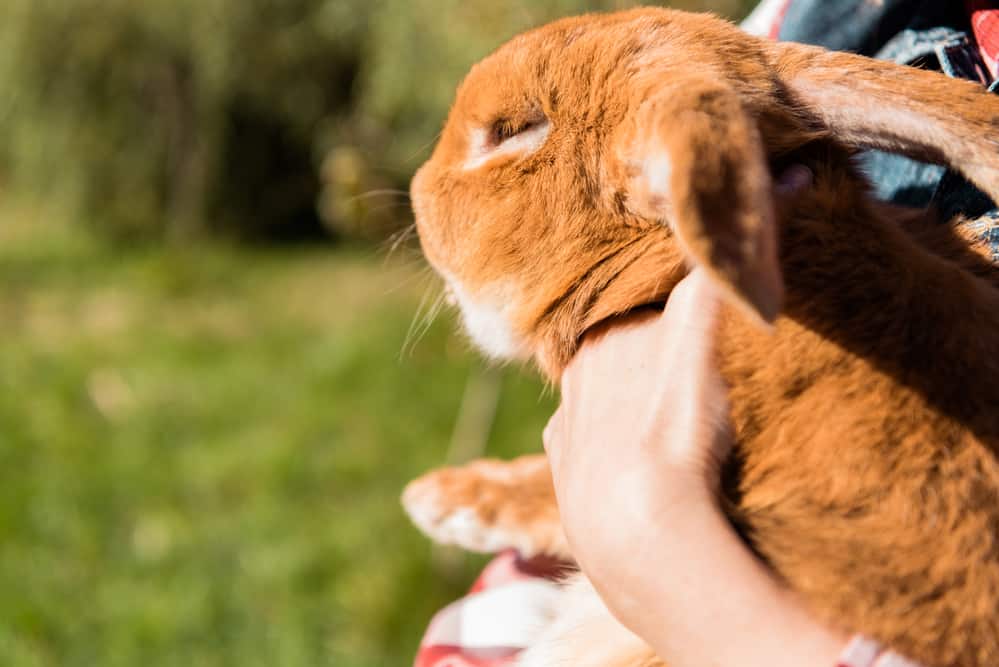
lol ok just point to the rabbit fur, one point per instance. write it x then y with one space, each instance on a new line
586 163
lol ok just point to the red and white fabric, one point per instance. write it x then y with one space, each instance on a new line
984 15
766 20
508 606
512 601
864 652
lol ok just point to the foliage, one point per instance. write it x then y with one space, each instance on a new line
203 443
172 117
407 90
141 116
203 451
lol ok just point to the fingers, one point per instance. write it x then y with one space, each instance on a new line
553 441
611 351
649 385
690 407
691 311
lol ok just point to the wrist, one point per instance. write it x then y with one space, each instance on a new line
697 581
694 452
682 527
691 489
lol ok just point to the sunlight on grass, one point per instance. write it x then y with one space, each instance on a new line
203 450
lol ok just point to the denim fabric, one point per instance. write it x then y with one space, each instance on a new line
921 33
987 228
901 180
951 50
959 58
956 196
896 178
864 26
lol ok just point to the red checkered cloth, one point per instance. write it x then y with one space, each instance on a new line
864 652
984 16
512 601
508 606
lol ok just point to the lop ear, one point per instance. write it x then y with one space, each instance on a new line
875 104
692 157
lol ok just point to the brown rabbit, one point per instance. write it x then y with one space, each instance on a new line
579 167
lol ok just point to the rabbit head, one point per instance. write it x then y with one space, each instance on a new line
583 164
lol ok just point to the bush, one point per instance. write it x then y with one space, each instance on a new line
176 117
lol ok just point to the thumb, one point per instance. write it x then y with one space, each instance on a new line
552 437
691 312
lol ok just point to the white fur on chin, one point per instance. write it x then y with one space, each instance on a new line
485 317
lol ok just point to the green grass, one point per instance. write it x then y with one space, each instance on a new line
202 450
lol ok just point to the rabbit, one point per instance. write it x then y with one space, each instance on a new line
587 164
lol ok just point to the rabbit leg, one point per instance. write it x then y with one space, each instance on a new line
489 505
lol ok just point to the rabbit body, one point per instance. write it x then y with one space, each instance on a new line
584 161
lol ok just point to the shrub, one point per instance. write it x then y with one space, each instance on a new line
170 118
174 116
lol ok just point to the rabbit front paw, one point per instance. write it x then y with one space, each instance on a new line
488 506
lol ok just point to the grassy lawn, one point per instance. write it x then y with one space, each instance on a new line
202 450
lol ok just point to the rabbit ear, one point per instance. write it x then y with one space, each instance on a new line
875 104
692 156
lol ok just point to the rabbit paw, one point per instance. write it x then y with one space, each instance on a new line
488 506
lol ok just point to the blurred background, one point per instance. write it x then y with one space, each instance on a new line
222 356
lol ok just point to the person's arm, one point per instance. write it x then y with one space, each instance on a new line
635 450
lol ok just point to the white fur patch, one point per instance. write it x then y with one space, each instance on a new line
524 143
486 319
460 526
508 616
657 170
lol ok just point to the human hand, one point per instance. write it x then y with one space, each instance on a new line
641 432
636 449
644 389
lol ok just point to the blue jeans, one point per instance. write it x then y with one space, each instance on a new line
921 33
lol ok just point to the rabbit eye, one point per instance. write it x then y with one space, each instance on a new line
504 128
521 135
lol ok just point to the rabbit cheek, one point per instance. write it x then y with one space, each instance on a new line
486 318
